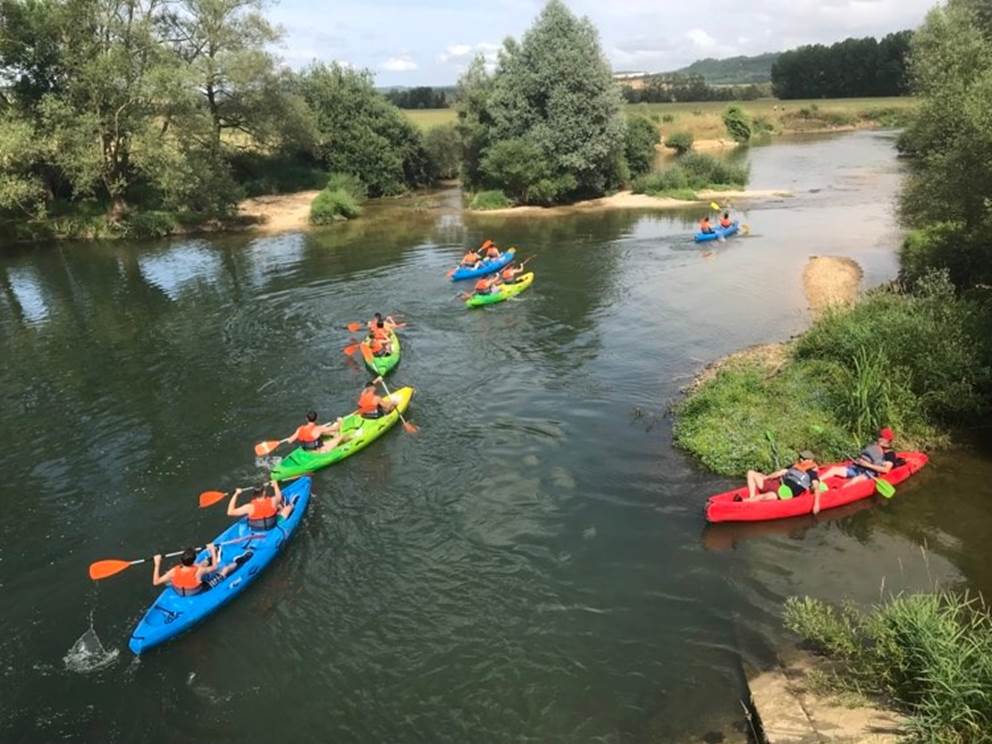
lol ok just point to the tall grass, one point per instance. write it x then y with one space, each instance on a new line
930 654
692 171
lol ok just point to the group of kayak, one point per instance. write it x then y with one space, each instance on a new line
497 277
205 578
723 229
805 487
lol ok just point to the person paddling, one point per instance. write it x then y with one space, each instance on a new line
801 477
509 274
380 335
492 252
370 404
725 221
485 285
189 577
470 260
877 458
310 435
266 509
705 227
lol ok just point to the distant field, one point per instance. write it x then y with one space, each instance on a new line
703 119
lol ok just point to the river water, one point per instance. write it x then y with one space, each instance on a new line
533 565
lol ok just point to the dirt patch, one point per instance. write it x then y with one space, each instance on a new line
831 281
770 356
279 212
630 200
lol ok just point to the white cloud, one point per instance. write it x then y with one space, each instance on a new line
454 51
402 63
703 41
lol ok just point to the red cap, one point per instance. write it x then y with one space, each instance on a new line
886 433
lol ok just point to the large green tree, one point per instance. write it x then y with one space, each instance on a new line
948 195
552 93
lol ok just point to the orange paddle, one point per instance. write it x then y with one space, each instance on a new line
209 498
355 327
352 348
265 448
112 566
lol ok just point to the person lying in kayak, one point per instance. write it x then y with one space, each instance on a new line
509 274
310 435
189 577
877 458
486 285
725 221
266 509
705 227
370 404
793 481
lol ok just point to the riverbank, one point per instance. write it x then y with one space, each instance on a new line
278 212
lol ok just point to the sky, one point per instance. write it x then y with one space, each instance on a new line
430 42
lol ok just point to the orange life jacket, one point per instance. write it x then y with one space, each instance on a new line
704 223
725 222
492 252
483 285
470 258
508 273
375 345
379 333
185 580
368 402
263 514
307 433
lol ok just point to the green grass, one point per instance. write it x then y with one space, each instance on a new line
495 199
917 361
928 654
428 118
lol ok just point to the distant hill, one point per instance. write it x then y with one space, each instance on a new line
733 70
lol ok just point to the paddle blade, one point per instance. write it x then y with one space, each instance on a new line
105 569
884 488
264 448
209 498
354 327
367 353
714 206
410 428
452 272
349 350
745 229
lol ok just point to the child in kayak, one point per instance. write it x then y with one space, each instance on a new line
492 252
725 221
470 260
370 404
795 480
190 577
877 458
266 509
705 227
486 285
311 435
380 335
509 274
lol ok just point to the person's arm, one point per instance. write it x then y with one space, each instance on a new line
777 473
210 563
277 491
232 505
292 437
159 579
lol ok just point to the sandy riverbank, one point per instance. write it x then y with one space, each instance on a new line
279 212
630 200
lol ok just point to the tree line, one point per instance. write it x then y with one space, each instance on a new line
676 88
421 97
131 106
848 69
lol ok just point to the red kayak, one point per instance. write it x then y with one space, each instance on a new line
840 491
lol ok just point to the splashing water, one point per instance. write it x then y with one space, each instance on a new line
88 654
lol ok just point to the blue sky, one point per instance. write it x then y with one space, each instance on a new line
429 42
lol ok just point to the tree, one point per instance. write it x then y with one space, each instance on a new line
738 124
357 131
640 148
444 150
553 90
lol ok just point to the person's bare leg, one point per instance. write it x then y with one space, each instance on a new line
755 482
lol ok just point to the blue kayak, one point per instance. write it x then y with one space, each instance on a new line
486 267
173 613
726 232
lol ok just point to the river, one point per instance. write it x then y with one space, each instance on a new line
531 566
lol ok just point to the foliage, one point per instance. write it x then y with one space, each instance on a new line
513 165
948 195
847 69
333 205
150 224
421 97
359 132
930 654
259 173
673 87
443 150
913 360
738 124
349 184
640 149
733 70
551 93
693 171
681 142
494 199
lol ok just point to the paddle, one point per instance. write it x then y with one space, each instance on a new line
112 566
209 498
266 448
352 348
883 487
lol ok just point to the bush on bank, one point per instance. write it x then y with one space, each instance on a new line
333 205
918 361
929 654
495 199
691 172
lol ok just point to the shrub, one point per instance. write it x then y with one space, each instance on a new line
494 199
443 148
333 205
668 118
260 174
737 123
639 147
150 224
661 181
348 183
930 654
514 165
681 142
705 170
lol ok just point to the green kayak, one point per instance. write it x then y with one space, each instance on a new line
361 432
385 364
503 292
